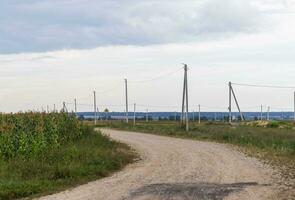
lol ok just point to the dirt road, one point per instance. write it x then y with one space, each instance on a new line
179 169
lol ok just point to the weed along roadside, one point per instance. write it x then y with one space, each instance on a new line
45 153
273 143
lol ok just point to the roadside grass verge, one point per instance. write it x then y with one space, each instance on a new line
273 145
89 157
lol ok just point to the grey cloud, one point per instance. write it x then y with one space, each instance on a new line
33 26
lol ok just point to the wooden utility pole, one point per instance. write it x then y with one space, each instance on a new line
126 97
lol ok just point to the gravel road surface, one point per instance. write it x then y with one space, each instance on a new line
172 169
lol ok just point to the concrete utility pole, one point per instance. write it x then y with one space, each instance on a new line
94 107
187 125
231 91
261 115
126 96
65 107
294 107
229 105
134 116
185 100
268 110
199 114
75 101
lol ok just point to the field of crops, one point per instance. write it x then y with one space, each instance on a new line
30 134
42 153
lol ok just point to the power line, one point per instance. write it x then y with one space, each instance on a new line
158 77
264 86
111 89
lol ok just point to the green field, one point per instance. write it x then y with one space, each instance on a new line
273 142
44 153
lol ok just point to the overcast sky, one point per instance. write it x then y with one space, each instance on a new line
57 50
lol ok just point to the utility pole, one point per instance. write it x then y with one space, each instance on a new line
268 110
294 107
94 106
229 105
199 114
185 100
65 107
147 115
187 125
75 101
54 109
193 115
134 117
126 96
261 110
175 116
231 92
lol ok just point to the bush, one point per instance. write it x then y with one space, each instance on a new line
273 124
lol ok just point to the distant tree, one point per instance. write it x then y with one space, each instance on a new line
81 117
171 118
255 118
106 111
